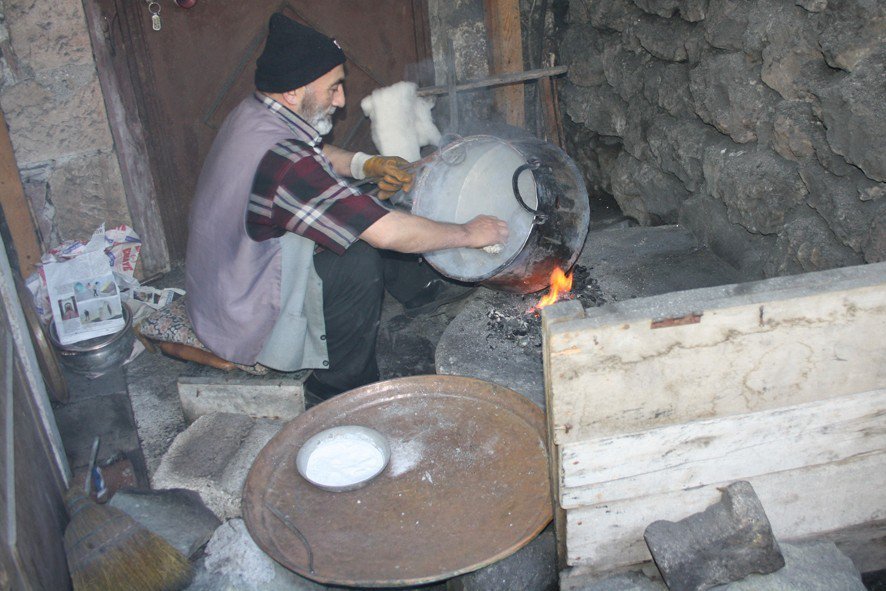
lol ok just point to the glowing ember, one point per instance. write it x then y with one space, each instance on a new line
561 284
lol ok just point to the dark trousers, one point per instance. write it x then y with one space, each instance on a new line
353 288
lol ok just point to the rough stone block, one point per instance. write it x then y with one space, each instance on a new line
87 191
840 201
725 24
258 398
678 147
758 188
51 37
178 516
213 457
532 568
854 113
667 85
672 40
855 29
646 193
805 244
811 566
599 108
690 10
708 219
724 543
56 114
728 94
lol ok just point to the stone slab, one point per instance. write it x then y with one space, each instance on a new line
213 457
108 417
531 568
177 515
282 399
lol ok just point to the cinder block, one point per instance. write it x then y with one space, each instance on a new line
213 457
282 399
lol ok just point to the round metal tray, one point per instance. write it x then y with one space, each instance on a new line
466 485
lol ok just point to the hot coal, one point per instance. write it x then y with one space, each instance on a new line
512 318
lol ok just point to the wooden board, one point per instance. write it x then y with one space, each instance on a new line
689 455
506 52
639 364
15 207
799 503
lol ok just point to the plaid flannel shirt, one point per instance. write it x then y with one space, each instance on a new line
296 190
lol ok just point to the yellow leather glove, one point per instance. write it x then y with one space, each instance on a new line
390 174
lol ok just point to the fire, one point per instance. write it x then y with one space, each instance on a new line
561 284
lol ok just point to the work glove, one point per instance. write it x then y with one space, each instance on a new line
389 170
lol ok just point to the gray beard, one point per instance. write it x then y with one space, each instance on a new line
322 123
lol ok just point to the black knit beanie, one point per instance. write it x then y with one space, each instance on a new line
294 55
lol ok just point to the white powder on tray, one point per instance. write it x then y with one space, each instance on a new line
344 460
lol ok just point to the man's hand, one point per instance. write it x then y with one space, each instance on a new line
486 230
389 171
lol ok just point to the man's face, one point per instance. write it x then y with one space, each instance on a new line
322 97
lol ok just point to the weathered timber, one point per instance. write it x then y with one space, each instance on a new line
800 503
694 454
638 364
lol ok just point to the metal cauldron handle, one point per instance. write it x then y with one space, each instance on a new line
531 164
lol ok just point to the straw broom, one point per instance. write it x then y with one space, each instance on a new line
108 550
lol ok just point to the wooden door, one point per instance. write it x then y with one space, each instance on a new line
32 464
188 75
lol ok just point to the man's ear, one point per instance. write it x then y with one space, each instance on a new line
294 98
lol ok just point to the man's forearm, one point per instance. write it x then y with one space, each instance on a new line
340 159
403 232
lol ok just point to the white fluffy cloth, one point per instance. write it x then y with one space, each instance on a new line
401 121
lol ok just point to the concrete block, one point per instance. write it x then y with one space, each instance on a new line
234 561
254 396
177 515
724 543
213 457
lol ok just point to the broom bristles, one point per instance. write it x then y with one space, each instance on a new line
108 550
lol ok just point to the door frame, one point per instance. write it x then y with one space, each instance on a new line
126 103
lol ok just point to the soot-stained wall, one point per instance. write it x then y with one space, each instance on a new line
760 125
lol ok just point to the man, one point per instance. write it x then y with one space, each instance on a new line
282 267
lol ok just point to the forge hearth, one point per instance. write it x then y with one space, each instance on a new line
493 338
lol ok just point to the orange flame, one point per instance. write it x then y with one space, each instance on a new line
561 284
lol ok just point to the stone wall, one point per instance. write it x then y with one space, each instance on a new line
53 104
760 125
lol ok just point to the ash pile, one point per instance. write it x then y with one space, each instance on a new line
515 319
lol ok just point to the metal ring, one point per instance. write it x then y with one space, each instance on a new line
151 6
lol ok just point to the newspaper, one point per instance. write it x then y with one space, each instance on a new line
83 297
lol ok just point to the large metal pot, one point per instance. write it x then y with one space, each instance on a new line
97 356
532 185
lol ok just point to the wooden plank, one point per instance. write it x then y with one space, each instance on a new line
15 207
694 454
799 503
550 111
747 348
566 312
129 136
504 33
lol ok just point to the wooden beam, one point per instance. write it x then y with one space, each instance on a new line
15 207
506 53
498 80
